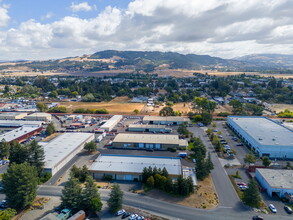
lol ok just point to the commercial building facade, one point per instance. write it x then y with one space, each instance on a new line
148 141
265 136
125 167
169 120
149 128
276 182
112 122
63 148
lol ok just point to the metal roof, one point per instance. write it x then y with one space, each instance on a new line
146 126
112 121
16 133
60 147
147 138
278 178
18 123
12 114
264 131
135 164
168 118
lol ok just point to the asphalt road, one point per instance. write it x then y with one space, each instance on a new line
226 193
172 211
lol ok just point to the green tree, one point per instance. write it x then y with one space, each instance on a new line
207 118
20 185
6 89
53 94
237 107
209 162
136 111
50 129
266 161
88 98
4 149
199 150
251 195
18 153
7 214
36 156
116 198
249 158
167 111
91 200
90 146
151 182
71 194
42 107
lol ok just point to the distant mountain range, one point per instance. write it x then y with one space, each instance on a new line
148 61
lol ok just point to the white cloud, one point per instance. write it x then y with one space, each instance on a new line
226 28
47 16
4 17
84 6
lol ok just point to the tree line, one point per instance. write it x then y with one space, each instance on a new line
160 179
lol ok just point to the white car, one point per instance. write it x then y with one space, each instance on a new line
133 217
273 208
120 212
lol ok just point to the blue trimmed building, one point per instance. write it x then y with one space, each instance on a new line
265 136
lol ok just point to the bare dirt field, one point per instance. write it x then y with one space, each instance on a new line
118 105
189 73
281 107
204 197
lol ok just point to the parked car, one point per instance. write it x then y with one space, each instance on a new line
240 145
133 217
227 147
241 184
257 217
3 204
125 215
288 209
220 136
242 188
272 208
120 212
215 130
234 138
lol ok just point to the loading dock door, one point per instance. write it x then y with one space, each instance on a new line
158 146
147 145
140 145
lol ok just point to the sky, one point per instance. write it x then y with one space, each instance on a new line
47 29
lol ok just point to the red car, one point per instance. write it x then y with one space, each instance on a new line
241 184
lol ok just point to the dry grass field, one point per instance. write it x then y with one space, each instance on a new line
204 197
118 105
281 107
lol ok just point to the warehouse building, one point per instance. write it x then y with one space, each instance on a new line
39 116
263 135
169 120
112 122
20 134
149 128
19 123
62 149
122 167
148 141
12 115
276 182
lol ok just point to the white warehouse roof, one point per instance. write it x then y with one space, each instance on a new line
60 147
16 133
167 118
278 178
147 138
18 123
135 164
112 121
264 131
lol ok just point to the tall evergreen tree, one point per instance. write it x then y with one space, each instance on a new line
36 156
251 196
50 129
4 149
20 185
116 198
91 200
71 194
18 153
